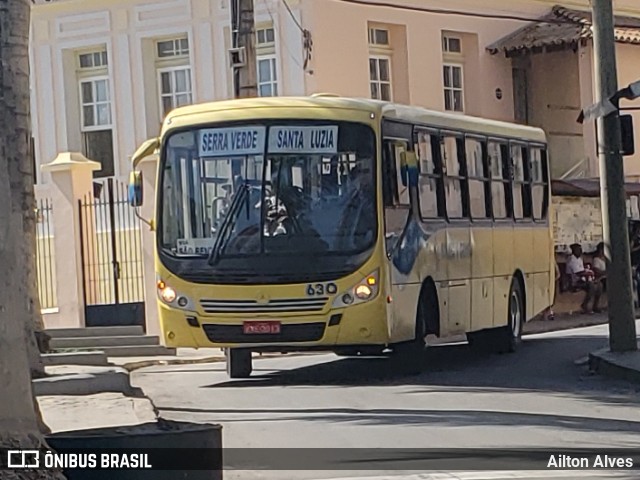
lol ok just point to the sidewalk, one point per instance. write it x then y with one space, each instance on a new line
565 321
64 413
184 356
624 366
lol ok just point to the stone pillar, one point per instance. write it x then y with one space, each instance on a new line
149 168
72 178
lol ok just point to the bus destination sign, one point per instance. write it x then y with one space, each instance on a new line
303 139
222 142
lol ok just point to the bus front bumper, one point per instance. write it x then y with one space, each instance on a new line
363 324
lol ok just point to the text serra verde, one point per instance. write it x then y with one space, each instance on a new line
285 140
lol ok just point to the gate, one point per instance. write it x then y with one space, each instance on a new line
112 259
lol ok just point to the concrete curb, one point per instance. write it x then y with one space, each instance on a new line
623 366
76 358
130 367
85 383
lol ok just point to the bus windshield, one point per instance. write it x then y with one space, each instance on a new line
262 190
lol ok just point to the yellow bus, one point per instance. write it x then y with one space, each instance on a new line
346 225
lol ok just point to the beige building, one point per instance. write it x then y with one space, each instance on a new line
106 71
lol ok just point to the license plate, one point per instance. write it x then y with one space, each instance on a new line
261 328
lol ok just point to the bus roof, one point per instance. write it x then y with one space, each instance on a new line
392 111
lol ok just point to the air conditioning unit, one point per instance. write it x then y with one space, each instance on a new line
237 57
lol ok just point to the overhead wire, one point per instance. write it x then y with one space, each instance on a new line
295 20
282 40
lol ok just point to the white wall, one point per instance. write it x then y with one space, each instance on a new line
128 28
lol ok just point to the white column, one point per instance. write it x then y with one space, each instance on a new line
72 178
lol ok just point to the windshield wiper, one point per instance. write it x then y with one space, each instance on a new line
228 223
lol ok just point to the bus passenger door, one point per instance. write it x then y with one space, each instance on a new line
403 280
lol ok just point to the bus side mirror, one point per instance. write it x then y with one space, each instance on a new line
628 140
135 189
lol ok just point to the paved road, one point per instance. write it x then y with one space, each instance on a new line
538 397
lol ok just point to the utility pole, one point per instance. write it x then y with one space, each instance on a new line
622 329
243 36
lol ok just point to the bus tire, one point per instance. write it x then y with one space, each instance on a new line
410 356
346 352
510 337
239 363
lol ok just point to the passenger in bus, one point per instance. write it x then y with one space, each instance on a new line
583 279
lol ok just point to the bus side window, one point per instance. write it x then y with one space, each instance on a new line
479 180
539 183
388 177
521 186
499 181
454 177
430 181
396 186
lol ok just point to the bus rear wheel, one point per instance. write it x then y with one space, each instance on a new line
512 333
507 339
239 363
504 339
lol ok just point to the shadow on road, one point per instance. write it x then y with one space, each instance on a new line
542 364
420 417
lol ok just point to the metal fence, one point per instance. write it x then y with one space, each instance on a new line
112 262
45 255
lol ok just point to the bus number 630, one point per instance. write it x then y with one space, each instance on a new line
321 289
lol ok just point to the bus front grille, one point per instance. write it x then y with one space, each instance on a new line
301 332
314 304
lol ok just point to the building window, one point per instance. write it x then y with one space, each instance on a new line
175 88
98 146
451 44
453 88
380 78
265 36
96 104
379 36
96 127
96 59
174 73
176 47
267 76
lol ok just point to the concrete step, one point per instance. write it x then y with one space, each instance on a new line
117 331
82 380
74 358
99 342
138 351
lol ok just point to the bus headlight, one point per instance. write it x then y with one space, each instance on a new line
363 291
169 296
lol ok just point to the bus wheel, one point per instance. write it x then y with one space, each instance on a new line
410 356
239 363
510 337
